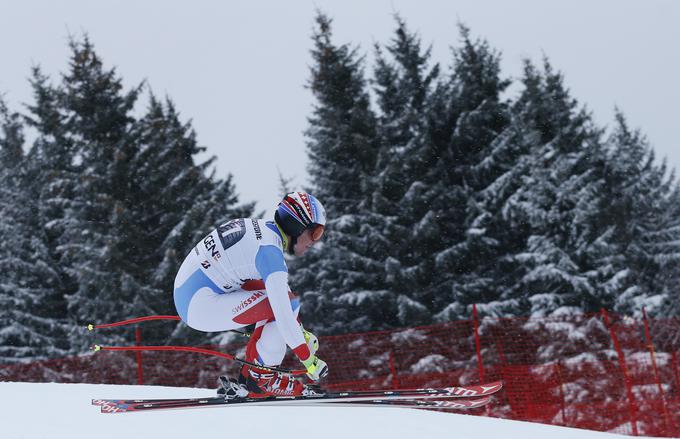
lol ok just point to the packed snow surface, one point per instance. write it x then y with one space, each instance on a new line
63 411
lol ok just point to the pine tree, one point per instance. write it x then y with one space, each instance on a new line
340 280
557 179
92 243
641 230
404 89
468 117
342 127
31 309
51 164
474 199
122 200
522 236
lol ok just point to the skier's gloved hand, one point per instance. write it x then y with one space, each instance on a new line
316 367
311 340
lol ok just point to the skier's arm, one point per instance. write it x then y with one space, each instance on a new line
272 267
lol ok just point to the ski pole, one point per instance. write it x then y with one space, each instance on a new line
98 348
92 326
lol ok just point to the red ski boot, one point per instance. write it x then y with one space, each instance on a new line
263 383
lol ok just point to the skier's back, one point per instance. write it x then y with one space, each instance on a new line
237 276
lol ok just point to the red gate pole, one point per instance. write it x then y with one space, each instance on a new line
652 355
478 344
138 340
624 372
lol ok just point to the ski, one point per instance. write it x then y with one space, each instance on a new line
468 392
456 404
450 392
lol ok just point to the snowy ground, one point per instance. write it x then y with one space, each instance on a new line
61 411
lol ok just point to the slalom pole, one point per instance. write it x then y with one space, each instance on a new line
98 348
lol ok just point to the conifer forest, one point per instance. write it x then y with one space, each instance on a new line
446 185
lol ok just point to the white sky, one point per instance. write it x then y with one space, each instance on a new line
238 69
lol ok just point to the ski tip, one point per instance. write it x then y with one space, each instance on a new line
109 406
90 327
492 387
96 348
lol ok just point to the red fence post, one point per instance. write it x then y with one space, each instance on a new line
138 341
558 369
652 354
624 372
676 372
393 371
478 344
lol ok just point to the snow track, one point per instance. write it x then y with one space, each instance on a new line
63 411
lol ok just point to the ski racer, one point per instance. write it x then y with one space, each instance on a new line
237 276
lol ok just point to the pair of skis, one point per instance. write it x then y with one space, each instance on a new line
446 398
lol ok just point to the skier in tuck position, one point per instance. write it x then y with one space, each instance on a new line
237 276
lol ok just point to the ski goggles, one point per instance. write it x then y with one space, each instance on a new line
317 231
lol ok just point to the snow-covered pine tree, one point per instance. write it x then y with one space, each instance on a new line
341 280
403 86
121 200
525 194
640 226
32 309
93 244
52 167
557 178
467 120
342 126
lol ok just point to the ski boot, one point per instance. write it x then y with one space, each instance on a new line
264 383
231 389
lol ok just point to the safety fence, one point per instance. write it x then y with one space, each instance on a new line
595 371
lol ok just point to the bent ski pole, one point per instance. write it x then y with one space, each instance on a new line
98 348
92 326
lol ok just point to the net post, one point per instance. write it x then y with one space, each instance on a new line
138 342
624 372
657 377
478 344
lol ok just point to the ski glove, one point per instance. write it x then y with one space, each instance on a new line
311 340
316 368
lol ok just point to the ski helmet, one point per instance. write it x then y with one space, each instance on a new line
299 211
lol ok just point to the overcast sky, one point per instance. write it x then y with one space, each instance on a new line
238 69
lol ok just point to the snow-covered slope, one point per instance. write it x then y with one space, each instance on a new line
63 411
